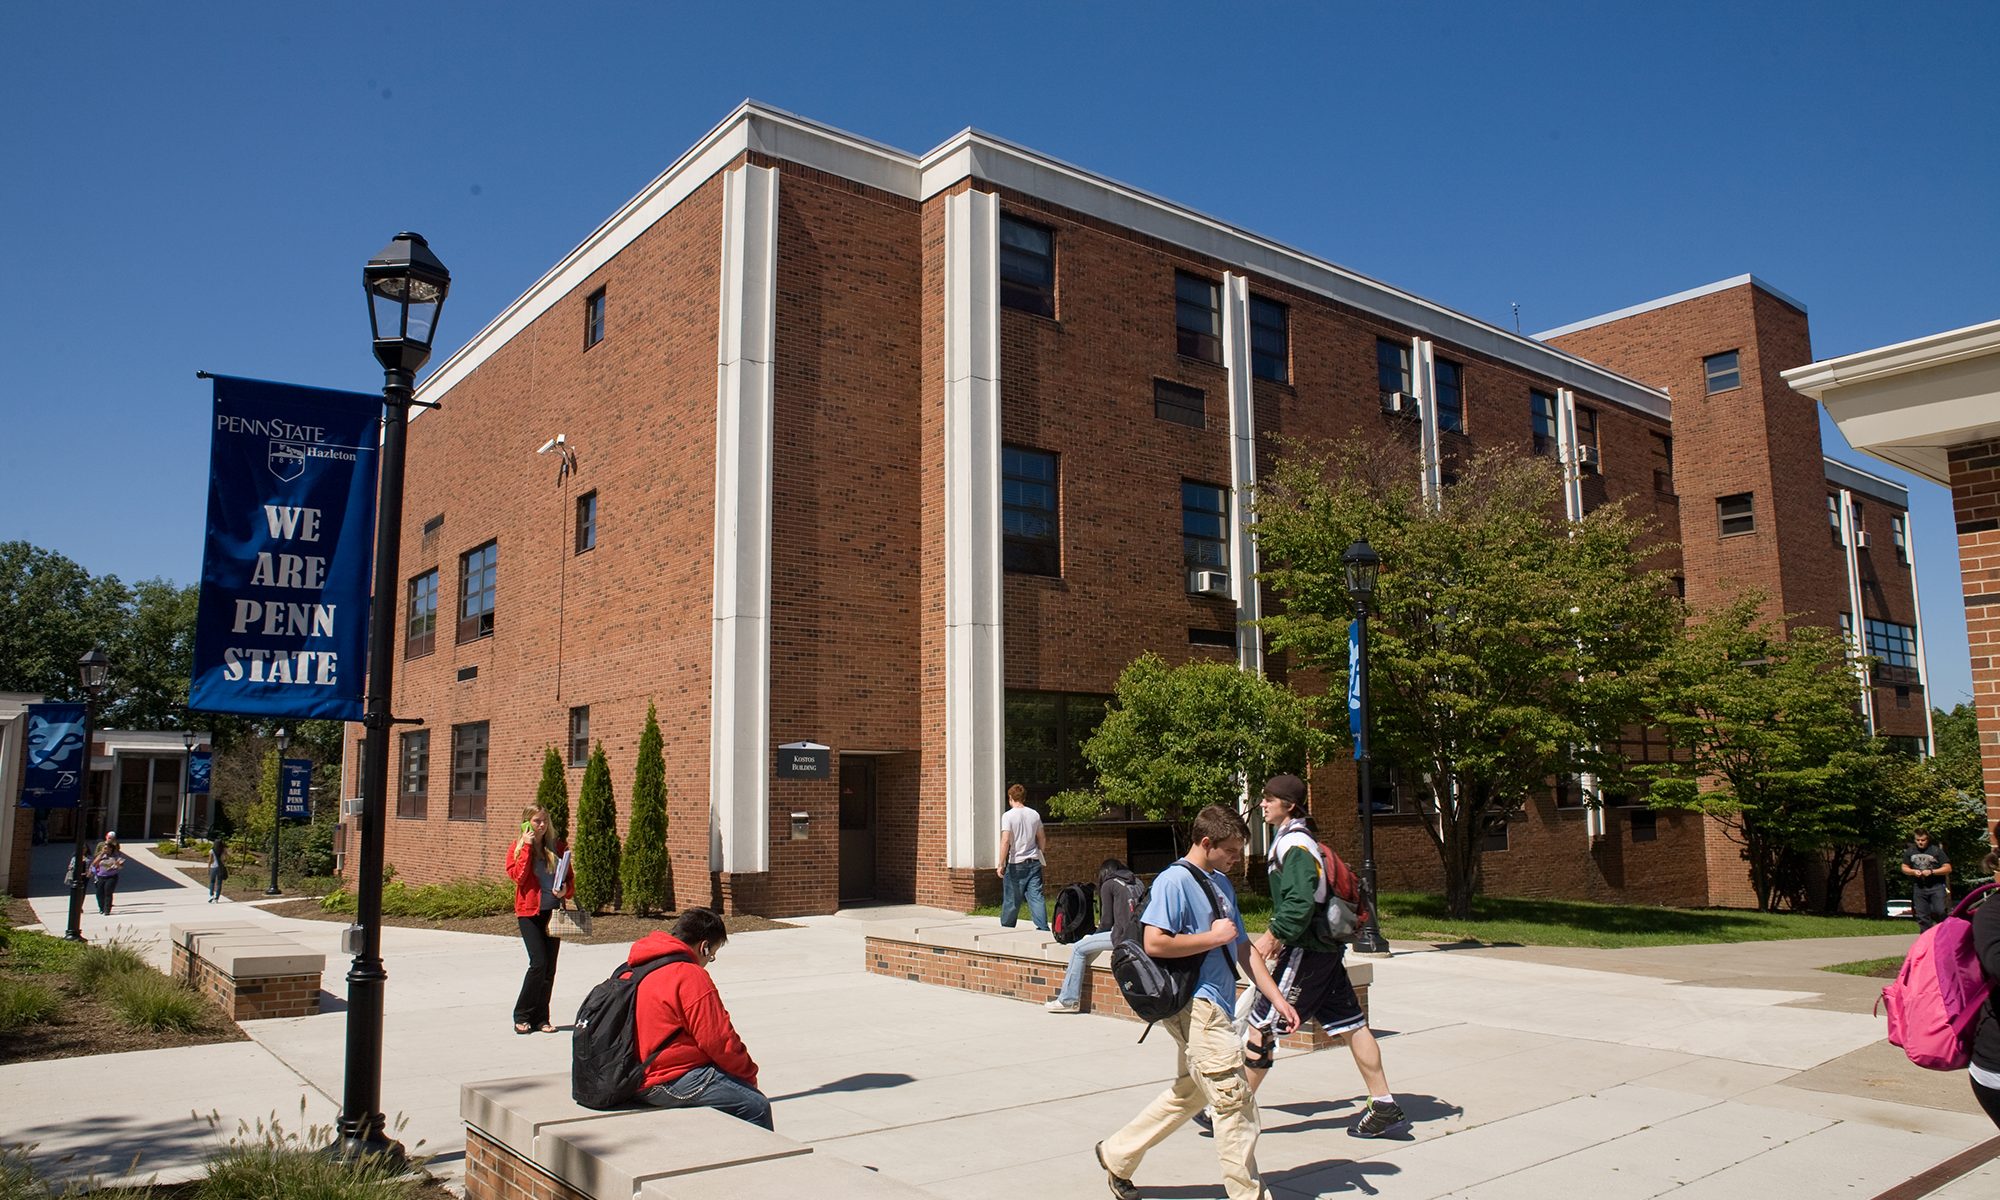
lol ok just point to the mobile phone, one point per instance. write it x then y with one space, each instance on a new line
527 828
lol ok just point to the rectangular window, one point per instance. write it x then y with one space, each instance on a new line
1496 834
586 522
1450 396
1721 371
1197 317
1204 526
593 319
1899 532
1833 518
1180 403
1028 511
579 736
1645 824
1027 267
477 573
1586 440
1663 464
1854 511
1542 421
412 797
468 772
1044 735
420 630
1270 341
1895 645
1847 632
1392 367
1736 514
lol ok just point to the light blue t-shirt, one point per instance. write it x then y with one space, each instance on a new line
1176 905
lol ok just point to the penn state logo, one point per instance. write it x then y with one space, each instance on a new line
52 743
287 460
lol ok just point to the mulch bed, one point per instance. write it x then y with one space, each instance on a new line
89 1024
432 1190
607 927
244 883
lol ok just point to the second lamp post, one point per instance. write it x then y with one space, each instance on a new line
1362 565
278 809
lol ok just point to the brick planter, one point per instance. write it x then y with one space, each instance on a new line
251 975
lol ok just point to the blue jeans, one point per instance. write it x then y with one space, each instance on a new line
708 1087
1079 962
1023 877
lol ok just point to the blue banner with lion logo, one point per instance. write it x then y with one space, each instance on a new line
282 628
57 757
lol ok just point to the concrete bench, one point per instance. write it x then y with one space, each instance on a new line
525 1139
976 955
250 971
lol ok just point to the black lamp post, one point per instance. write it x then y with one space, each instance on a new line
94 671
1362 565
278 809
406 286
187 797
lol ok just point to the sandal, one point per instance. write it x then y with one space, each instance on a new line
523 1027
548 1028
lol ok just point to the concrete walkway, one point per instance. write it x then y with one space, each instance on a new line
1527 1078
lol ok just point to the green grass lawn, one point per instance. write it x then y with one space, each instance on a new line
1873 968
1506 920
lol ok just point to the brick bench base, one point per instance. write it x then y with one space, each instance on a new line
1016 977
249 974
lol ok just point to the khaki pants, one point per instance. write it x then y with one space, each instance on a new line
1208 1070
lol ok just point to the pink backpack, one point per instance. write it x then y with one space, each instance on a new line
1937 996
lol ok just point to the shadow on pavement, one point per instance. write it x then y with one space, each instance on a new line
108 1147
1417 1106
45 875
867 1081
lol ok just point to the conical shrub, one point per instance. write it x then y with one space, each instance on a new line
552 793
648 873
595 853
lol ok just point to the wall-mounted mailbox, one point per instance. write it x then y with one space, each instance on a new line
801 824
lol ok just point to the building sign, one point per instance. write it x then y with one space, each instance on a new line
57 758
282 628
199 764
295 789
804 760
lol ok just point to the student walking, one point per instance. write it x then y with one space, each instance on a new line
1022 845
1182 922
531 864
218 870
1308 964
709 1066
105 865
1929 869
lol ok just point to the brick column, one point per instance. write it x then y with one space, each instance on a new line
1975 499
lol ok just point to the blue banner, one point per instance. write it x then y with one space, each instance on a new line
198 772
1354 689
282 629
295 776
57 758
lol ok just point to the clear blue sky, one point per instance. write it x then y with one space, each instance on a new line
196 186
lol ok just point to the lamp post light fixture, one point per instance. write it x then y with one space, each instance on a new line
406 286
278 809
187 777
1363 564
93 671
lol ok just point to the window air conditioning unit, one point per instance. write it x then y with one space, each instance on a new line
1401 404
351 807
1861 539
1208 583
1586 457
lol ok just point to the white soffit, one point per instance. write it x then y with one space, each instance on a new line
759 127
1854 479
1909 403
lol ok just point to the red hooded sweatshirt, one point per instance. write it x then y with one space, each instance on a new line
681 996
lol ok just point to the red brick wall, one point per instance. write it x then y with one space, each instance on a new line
248 999
1975 498
494 1172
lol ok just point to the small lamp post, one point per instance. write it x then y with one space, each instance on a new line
406 286
93 671
278 809
1363 564
187 777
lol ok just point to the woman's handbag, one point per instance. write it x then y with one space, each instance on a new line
569 922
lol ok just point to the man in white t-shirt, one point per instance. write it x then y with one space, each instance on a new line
1022 843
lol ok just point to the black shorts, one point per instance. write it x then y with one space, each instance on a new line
1316 983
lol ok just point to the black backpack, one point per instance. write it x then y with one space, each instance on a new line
1121 897
605 1069
1158 988
1074 905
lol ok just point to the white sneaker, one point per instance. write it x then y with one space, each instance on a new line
1061 1006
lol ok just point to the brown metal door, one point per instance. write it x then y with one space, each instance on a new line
857 828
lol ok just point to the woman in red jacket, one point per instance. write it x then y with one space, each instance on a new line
531 864
697 1059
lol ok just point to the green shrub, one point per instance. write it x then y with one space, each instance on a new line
647 873
95 966
271 1162
149 1000
596 853
552 793
23 1003
458 899
167 849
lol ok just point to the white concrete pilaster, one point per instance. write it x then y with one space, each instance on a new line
1242 471
1850 559
1423 377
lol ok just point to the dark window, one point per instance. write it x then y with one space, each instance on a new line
1542 421
1895 645
412 796
1899 532
468 772
1902 697
1854 507
593 319
477 572
1045 733
1451 395
1721 371
1736 514
431 528
1392 367
1496 833
586 522
1197 317
1663 464
1645 824
579 735
1680 587
1180 403
1833 518
1204 526
1027 267
1270 340
1586 440
420 630
1224 638
1909 747
1028 511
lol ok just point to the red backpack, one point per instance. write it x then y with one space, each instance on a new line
1937 996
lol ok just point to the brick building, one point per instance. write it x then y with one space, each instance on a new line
908 455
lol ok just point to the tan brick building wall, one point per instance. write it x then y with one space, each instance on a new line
1975 498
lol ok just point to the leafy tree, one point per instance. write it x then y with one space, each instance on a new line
648 873
152 657
552 793
1772 744
595 854
51 612
1178 738
1507 645
1956 755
